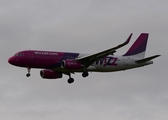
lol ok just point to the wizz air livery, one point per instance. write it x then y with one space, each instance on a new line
55 64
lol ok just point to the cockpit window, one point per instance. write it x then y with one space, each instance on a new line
19 54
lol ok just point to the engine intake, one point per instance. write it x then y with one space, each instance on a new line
71 64
50 74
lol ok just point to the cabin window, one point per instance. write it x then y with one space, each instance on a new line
19 54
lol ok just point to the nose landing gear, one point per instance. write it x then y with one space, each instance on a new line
28 74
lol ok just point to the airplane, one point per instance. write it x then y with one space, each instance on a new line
55 64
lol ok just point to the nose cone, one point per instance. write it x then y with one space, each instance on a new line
12 61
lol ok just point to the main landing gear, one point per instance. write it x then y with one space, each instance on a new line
71 80
85 74
28 74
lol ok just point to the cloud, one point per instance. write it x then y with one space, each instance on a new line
83 26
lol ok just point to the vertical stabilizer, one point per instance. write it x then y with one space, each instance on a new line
139 47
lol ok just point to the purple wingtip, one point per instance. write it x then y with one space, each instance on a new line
129 38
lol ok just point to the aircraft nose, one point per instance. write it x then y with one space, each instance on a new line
11 60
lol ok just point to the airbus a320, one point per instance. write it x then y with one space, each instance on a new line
55 64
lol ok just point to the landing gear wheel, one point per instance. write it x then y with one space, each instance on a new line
28 74
70 80
85 74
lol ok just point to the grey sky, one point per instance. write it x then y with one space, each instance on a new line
85 26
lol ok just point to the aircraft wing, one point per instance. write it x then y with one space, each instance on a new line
90 59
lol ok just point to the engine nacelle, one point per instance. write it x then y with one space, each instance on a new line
71 64
50 74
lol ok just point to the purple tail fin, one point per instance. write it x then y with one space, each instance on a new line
139 47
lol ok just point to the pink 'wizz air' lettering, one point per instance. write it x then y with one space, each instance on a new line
107 61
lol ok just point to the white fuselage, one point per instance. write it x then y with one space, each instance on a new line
115 63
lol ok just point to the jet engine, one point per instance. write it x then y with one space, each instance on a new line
71 64
50 74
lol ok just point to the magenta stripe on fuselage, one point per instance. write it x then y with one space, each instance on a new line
43 59
53 59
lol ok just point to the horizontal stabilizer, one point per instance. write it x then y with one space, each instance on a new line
147 59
